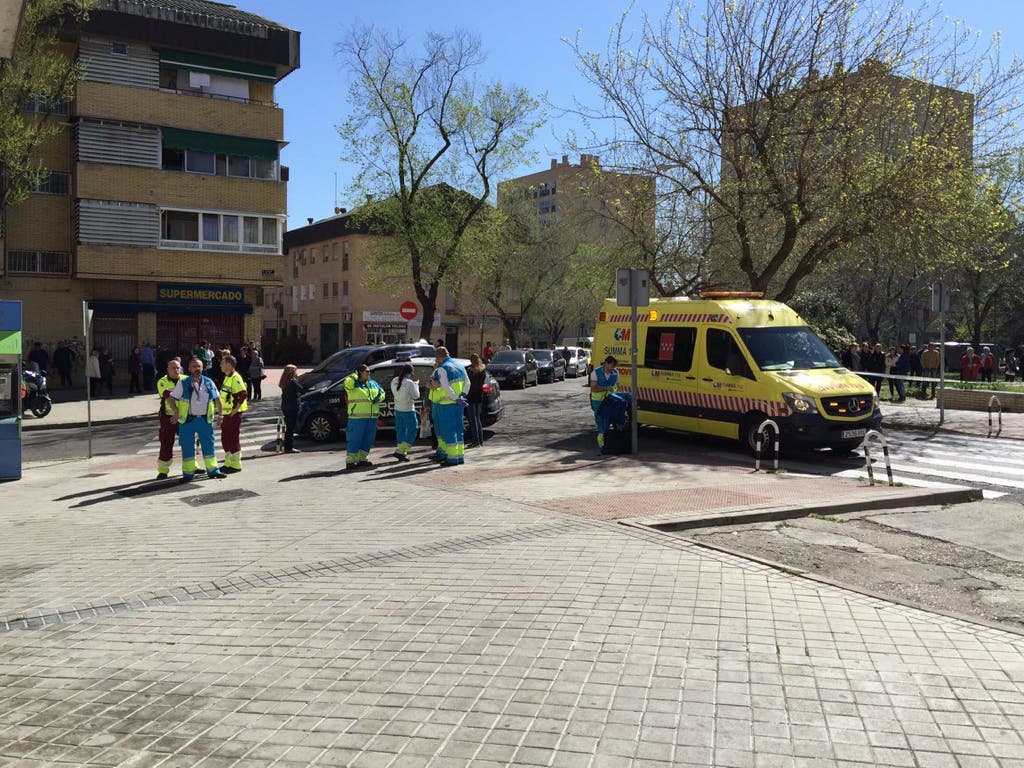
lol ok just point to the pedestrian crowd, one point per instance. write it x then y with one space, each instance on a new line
900 367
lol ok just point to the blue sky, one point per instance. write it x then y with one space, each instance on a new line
523 43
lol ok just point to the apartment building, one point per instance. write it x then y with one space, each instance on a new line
166 203
588 197
332 296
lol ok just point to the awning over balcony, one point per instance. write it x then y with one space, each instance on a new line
218 143
212 65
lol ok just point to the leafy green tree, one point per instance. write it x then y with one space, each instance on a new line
38 73
423 121
809 125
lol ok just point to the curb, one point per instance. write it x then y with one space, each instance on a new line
746 515
41 424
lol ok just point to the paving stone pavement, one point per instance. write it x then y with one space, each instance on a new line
395 618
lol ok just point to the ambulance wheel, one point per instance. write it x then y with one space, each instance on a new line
748 434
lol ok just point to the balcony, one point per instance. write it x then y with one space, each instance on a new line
120 262
95 181
173 110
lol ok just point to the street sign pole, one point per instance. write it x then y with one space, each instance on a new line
940 303
634 436
633 291
86 328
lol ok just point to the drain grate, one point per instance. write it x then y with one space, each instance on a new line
221 497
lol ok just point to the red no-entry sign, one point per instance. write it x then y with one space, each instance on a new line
409 310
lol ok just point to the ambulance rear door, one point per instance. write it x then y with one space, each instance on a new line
668 377
728 384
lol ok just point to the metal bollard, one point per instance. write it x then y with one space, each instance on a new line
874 433
280 434
999 405
759 442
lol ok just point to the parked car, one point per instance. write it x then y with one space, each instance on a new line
579 358
515 367
344 361
550 365
322 414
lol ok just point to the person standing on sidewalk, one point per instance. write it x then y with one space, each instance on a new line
448 386
168 417
930 363
290 392
135 372
233 395
243 366
477 373
603 381
405 391
364 396
64 360
199 407
257 373
94 373
107 369
148 360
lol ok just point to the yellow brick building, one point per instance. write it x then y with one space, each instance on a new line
332 299
166 203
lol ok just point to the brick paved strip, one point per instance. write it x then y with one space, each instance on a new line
301 572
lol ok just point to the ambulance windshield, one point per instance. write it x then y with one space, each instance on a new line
794 348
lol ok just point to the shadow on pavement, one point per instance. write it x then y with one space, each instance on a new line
146 488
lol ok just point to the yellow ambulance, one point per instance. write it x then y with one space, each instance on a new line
722 364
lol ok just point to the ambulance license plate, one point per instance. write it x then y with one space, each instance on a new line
848 434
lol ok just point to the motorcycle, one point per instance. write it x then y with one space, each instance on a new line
34 397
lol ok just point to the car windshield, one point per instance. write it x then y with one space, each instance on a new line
509 357
542 355
794 348
343 360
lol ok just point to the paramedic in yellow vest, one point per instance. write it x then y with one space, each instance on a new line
233 394
448 387
603 381
363 396
168 418
199 407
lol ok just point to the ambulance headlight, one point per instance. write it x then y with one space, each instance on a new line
800 403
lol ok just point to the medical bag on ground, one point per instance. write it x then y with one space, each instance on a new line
618 441
615 408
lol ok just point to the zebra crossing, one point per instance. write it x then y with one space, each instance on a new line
949 460
259 434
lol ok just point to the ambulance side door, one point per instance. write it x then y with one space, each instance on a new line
727 383
668 378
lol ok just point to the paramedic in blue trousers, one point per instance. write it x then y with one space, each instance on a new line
603 381
406 391
448 387
198 401
364 396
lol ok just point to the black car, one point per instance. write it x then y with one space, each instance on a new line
550 365
344 361
514 367
322 415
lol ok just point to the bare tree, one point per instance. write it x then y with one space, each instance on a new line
808 125
420 121
36 85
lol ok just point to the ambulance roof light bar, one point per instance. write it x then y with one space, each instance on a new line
731 294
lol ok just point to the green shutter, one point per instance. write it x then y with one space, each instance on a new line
212 65
197 141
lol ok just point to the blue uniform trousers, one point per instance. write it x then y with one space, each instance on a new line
601 421
187 432
407 428
359 437
450 426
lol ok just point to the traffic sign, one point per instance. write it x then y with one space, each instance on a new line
409 310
